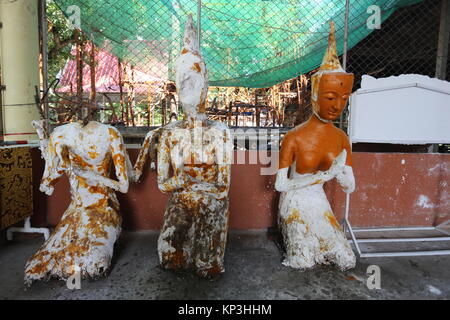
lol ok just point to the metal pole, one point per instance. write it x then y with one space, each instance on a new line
442 50
199 21
44 48
443 40
344 55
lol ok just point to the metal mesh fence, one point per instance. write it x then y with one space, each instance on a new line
255 43
405 43
260 54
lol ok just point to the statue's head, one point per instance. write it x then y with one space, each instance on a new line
191 75
331 86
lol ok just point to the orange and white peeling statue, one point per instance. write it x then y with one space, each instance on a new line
315 152
83 240
194 158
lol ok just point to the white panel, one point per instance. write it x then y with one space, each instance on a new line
414 113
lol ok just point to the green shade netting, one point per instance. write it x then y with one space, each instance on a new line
248 43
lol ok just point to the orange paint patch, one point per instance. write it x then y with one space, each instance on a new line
82 182
202 107
93 154
202 171
294 217
184 51
119 160
97 189
100 218
332 220
139 166
113 133
65 157
196 67
51 146
104 167
39 268
174 260
99 204
80 161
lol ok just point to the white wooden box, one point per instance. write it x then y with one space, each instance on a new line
408 109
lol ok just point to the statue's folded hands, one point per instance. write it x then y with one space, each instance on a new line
283 183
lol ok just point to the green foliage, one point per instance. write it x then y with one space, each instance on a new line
59 37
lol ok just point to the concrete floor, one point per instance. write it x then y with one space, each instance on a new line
253 271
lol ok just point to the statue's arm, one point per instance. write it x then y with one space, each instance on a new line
224 162
283 183
39 125
345 177
148 148
52 171
287 156
165 182
119 156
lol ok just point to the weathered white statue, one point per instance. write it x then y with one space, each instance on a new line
194 157
83 240
316 152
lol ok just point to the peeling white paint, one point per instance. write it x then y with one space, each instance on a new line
442 167
163 245
424 202
434 290
311 233
403 180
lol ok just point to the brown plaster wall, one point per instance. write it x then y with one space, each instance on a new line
393 189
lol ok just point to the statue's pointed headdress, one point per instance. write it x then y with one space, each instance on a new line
190 40
330 64
191 74
330 61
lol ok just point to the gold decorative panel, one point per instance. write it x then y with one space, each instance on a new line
16 189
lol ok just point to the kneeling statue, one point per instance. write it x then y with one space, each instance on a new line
315 152
194 157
